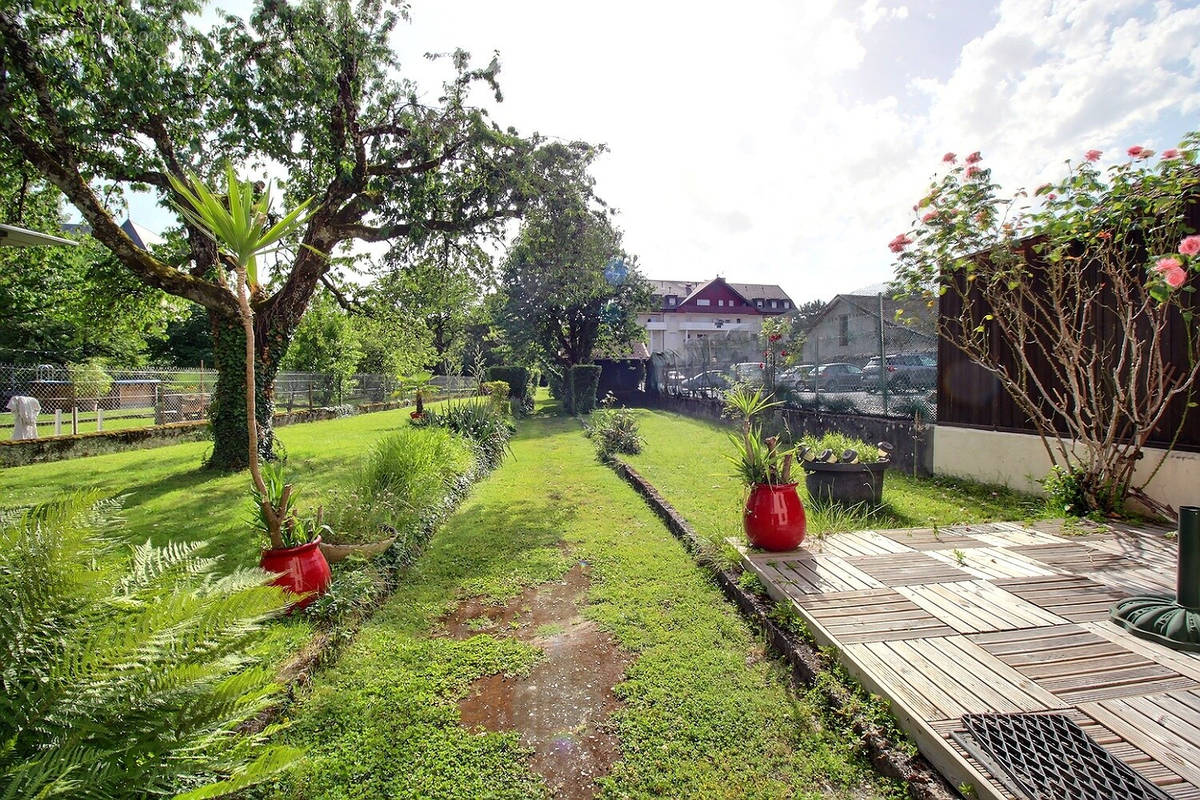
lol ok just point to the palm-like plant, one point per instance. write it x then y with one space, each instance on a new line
126 677
757 460
241 227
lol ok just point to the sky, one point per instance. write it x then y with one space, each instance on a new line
786 142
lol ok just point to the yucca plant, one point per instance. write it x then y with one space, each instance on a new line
125 676
757 460
241 227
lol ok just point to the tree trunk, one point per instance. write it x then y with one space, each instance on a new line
227 412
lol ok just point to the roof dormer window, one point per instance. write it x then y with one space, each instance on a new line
704 301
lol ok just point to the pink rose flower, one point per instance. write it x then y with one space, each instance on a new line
1169 154
1092 155
949 158
1052 196
898 244
1167 264
1175 278
973 171
1135 151
1146 153
930 217
1190 245
974 158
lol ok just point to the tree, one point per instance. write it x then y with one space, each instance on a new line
568 285
1064 298
119 96
326 341
68 303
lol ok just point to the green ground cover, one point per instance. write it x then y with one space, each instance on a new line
705 714
684 459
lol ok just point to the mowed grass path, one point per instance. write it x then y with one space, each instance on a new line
685 459
705 715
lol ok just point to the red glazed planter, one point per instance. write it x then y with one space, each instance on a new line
417 414
302 570
774 517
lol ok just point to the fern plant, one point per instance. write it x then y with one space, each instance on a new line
126 675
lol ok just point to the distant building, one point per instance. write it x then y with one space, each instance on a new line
142 237
689 311
848 328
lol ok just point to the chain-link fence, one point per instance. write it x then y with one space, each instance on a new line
85 398
857 357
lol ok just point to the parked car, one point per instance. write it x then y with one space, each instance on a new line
795 376
707 383
836 377
751 373
904 371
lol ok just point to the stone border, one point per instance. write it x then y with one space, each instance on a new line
60 448
807 663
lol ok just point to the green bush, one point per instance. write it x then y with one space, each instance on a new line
497 392
840 443
613 430
486 428
126 676
517 379
1066 492
584 383
413 465
839 404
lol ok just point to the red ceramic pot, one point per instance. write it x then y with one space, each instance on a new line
417 414
302 570
774 517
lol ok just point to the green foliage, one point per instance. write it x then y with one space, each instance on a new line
1068 492
126 675
90 380
840 443
913 407
839 404
497 393
487 428
328 341
584 384
414 465
613 430
756 459
517 378
281 496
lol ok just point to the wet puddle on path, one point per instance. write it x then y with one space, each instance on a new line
561 708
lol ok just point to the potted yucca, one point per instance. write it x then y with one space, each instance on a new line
240 226
773 517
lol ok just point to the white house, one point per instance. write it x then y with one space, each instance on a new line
688 311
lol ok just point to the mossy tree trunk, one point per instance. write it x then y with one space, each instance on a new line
227 414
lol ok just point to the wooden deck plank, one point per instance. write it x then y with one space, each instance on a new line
991 562
906 569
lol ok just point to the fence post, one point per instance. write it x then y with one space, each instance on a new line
883 371
817 369
99 418
58 422
74 419
310 403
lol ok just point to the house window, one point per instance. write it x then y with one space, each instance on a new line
774 304
703 302
787 304
758 303
671 300
844 330
739 320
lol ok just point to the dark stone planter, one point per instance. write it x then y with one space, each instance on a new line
846 484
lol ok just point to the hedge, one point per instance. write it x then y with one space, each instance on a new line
585 380
517 379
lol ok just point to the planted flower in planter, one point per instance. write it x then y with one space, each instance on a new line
774 516
842 469
295 554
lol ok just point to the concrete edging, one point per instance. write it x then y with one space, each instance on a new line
807 663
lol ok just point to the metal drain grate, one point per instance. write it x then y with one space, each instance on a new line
1049 757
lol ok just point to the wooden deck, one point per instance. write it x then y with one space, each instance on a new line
1004 618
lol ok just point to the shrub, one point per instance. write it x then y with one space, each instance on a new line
498 392
126 677
840 443
1067 492
517 379
839 404
413 466
584 383
913 408
487 429
613 430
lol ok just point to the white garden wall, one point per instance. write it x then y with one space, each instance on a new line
1019 461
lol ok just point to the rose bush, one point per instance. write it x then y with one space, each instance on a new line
1066 295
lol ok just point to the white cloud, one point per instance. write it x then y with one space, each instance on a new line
872 12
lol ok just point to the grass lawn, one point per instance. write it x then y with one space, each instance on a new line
685 459
705 714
